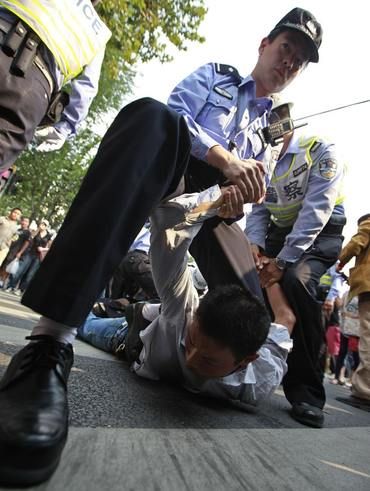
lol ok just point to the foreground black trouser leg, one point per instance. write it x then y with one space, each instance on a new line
222 252
141 159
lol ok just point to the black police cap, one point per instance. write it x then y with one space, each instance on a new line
303 21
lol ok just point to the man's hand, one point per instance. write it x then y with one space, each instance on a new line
49 139
327 308
249 176
259 259
270 273
231 205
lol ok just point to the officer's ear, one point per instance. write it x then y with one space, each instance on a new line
263 44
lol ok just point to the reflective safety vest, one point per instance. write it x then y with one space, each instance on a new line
326 279
71 29
286 193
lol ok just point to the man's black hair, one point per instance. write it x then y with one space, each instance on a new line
235 318
363 218
16 208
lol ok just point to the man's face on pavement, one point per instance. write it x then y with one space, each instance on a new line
206 357
280 61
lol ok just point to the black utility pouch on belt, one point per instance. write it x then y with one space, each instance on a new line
58 102
21 44
25 55
14 38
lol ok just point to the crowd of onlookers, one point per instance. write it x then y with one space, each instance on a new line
342 327
23 245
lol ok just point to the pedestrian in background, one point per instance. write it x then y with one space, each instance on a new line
359 282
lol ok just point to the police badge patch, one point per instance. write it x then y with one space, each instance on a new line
328 168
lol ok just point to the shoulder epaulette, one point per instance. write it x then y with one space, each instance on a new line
228 70
312 142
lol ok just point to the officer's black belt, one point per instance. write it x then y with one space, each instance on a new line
332 229
5 27
335 224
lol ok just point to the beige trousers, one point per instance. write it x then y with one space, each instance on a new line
3 254
361 377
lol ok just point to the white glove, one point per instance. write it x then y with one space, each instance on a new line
49 139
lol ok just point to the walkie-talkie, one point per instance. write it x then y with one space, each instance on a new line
280 124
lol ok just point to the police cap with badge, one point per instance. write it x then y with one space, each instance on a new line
303 21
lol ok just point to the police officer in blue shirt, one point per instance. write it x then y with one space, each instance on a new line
140 161
225 113
299 226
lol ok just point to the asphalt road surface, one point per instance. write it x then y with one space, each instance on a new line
128 433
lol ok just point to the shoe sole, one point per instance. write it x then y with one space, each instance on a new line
307 421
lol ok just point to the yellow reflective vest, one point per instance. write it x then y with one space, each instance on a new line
287 192
326 279
71 29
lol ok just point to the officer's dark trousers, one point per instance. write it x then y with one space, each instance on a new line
141 159
223 255
304 380
221 251
23 104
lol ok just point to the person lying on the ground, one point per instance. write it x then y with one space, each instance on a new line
224 346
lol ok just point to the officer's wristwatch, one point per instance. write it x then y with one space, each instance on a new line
281 263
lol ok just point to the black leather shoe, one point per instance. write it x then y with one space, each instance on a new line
34 411
136 323
307 414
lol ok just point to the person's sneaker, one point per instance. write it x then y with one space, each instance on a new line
8 290
17 292
307 414
136 323
34 411
119 342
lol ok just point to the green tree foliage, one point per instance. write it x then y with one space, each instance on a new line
141 30
49 182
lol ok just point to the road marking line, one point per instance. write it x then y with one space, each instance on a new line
345 468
